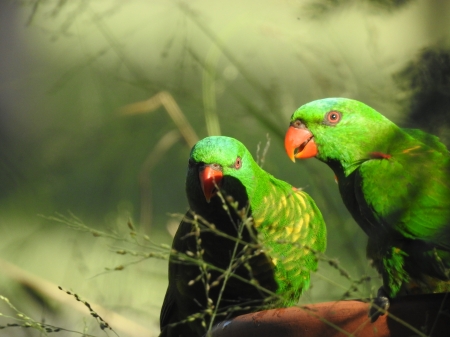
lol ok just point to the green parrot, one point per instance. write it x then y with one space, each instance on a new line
395 184
243 220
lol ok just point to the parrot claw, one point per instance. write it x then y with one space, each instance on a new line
379 305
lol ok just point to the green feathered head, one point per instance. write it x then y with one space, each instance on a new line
338 129
223 163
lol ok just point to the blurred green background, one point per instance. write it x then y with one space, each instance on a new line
73 141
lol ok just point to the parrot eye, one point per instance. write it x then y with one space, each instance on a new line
332 118
238 163
191 162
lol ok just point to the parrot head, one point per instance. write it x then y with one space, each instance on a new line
337 129
220 163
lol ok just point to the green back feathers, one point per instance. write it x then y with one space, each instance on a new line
294 232
427 139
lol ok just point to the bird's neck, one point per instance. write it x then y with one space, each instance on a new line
383 142
340 171
270 200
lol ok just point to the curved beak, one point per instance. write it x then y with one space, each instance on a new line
299 143
210 179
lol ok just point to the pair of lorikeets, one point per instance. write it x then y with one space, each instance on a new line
249 240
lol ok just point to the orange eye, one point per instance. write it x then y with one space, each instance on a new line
238 163
333 117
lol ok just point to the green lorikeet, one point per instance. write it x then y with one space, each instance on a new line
394 182
248 242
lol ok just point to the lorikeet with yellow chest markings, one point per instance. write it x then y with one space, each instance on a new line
248 242
395 182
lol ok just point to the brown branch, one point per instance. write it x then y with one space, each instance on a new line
173 110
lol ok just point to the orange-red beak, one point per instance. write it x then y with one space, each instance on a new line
299 143
210 179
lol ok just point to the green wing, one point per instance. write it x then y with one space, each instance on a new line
408 193
293 230
428 139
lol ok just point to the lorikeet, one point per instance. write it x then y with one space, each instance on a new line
394 182
249 241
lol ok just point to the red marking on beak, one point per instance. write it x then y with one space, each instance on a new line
299 143
210 179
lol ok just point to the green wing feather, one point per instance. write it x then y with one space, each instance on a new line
292 228
409 192
427 139
407 196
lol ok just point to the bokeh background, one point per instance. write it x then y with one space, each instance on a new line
78 136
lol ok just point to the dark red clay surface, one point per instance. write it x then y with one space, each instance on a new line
428 314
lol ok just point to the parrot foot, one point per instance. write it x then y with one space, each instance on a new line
379 305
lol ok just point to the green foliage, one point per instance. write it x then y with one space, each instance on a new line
145 249
26 322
